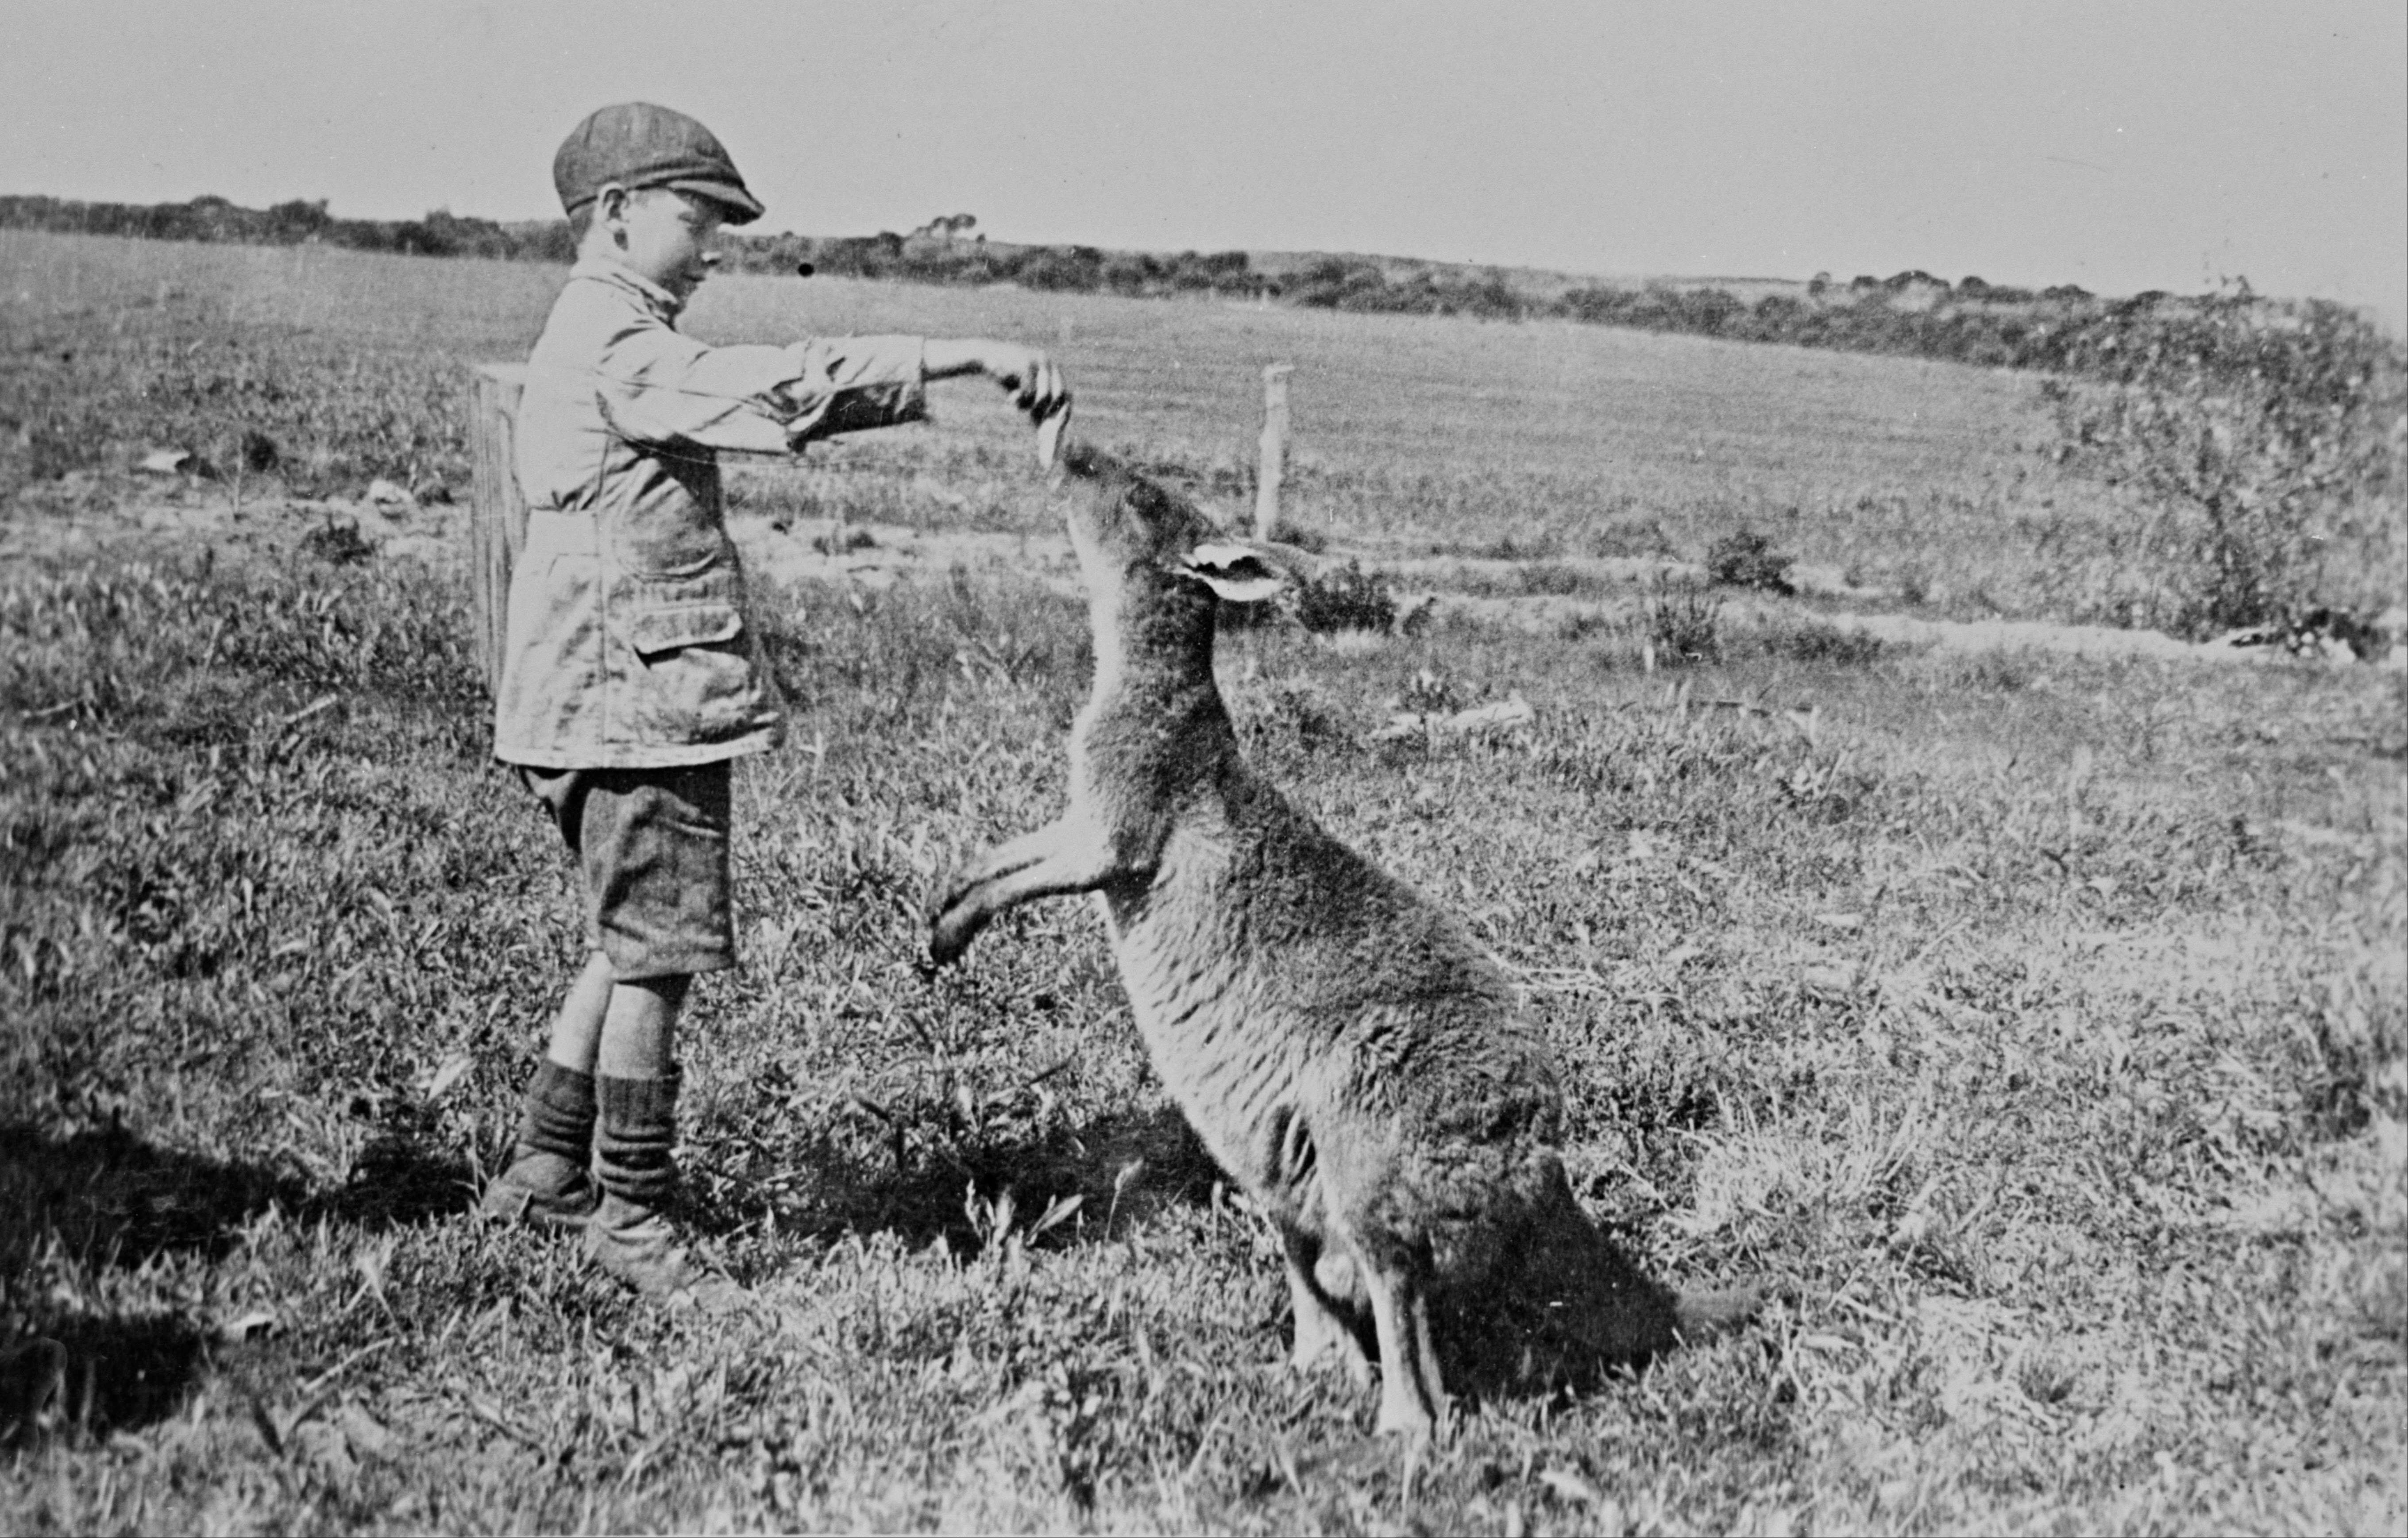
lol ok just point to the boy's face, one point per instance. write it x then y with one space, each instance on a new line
664 235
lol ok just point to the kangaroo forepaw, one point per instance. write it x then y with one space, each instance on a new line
950 934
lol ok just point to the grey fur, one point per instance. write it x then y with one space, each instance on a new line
1345 1047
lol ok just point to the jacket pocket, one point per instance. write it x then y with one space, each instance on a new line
653 632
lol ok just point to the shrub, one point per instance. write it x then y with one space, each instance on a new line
844 541
2260 442
1683 625
1295 715
1747 559
338 542
1346 599
1304 537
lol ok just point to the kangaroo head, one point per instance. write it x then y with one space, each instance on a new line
1124 526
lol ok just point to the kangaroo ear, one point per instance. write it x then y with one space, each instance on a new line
1239 572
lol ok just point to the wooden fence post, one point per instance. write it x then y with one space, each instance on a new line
1272 467
498 512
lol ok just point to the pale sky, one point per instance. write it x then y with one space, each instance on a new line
2118 146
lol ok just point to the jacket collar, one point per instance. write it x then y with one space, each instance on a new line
618 275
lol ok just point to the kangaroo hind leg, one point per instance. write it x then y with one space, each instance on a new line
1413 1393
1323 1321
1322 1293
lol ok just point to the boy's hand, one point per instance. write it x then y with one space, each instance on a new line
1036 383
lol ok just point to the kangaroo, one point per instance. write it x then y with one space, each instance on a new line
1346 1049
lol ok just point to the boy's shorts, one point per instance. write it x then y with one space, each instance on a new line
651 847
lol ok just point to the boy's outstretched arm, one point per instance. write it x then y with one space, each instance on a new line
849 383
1036 383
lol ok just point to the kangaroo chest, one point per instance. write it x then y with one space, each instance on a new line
1209 1010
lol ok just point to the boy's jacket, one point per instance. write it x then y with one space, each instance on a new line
628 641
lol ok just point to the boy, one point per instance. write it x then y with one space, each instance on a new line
632 677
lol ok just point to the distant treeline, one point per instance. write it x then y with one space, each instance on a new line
918 258
298 222
949 258
2060 330
2231 333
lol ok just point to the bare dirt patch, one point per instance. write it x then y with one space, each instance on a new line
85 510
876 556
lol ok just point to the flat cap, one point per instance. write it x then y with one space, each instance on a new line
637 145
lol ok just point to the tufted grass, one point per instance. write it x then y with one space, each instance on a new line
2036 1036
2035 1028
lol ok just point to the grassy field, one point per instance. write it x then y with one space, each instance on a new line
1410 434
2035 1028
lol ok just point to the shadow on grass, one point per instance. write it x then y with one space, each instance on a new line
1124 1168
105 1201
93 1374
1565 1309
398 1182
108 1199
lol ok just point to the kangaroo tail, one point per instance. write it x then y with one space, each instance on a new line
1581 1305
1563 1304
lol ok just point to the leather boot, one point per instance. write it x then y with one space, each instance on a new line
545 1184
629 1234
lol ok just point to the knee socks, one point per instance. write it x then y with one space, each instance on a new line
557 1114
633 1149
